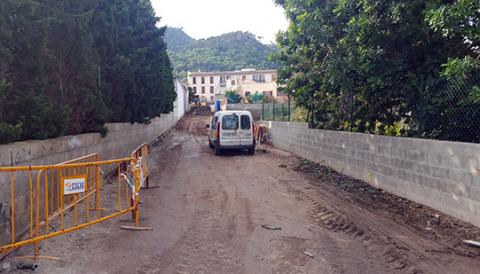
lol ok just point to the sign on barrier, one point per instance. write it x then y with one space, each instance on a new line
74 185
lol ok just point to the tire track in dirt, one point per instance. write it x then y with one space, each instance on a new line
209 233
289 253
211 243
331 220
249 226
400 249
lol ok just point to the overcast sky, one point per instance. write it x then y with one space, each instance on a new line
206 18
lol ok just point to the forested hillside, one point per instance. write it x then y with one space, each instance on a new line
70 66
409 68
177 39
232 51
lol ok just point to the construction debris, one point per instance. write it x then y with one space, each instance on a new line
270 227
472 243
308 254
137 228
5 267
27 266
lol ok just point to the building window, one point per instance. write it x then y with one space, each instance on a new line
222 80
194 80
268 93
228 77
274 77
203 80
211 80
259 78
233 82
247 93
194 89
211 90
203 90
244 77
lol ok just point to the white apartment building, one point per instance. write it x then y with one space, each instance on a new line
213 85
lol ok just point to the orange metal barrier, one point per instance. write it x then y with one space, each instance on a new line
67 197
260 132
140 154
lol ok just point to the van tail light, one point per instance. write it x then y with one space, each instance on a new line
218 130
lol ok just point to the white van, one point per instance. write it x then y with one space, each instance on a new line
231 130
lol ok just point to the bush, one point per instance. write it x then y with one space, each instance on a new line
233 97
9 133
269 99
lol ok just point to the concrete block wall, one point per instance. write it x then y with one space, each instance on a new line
440 174
122 138
255 109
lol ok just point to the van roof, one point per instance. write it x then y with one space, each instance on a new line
233 111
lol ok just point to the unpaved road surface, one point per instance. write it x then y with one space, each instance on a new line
208 211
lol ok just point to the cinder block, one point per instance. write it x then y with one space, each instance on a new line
443 175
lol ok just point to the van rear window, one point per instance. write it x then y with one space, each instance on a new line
245 122
230 122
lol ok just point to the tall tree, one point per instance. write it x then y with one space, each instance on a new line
364 65
68 67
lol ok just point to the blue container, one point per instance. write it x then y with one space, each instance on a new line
217 106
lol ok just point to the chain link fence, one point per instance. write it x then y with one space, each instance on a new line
277 111
443 109
448 109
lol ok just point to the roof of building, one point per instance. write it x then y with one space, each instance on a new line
235 72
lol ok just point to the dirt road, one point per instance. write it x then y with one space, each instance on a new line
208 212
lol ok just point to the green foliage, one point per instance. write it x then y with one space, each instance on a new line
232 51
39 117
373 66
457 67
299 114
269 99
255 98
233 97
68 67
177 39
10 133
459 19
448 109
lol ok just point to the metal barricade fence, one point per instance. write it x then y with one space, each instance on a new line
141 155
66 197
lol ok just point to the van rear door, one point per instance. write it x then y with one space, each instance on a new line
229 135
246 130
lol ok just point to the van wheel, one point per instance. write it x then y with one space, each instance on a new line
217 150
251 151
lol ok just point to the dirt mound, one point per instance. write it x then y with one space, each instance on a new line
426 221
195 123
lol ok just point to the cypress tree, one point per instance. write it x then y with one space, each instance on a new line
68 67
